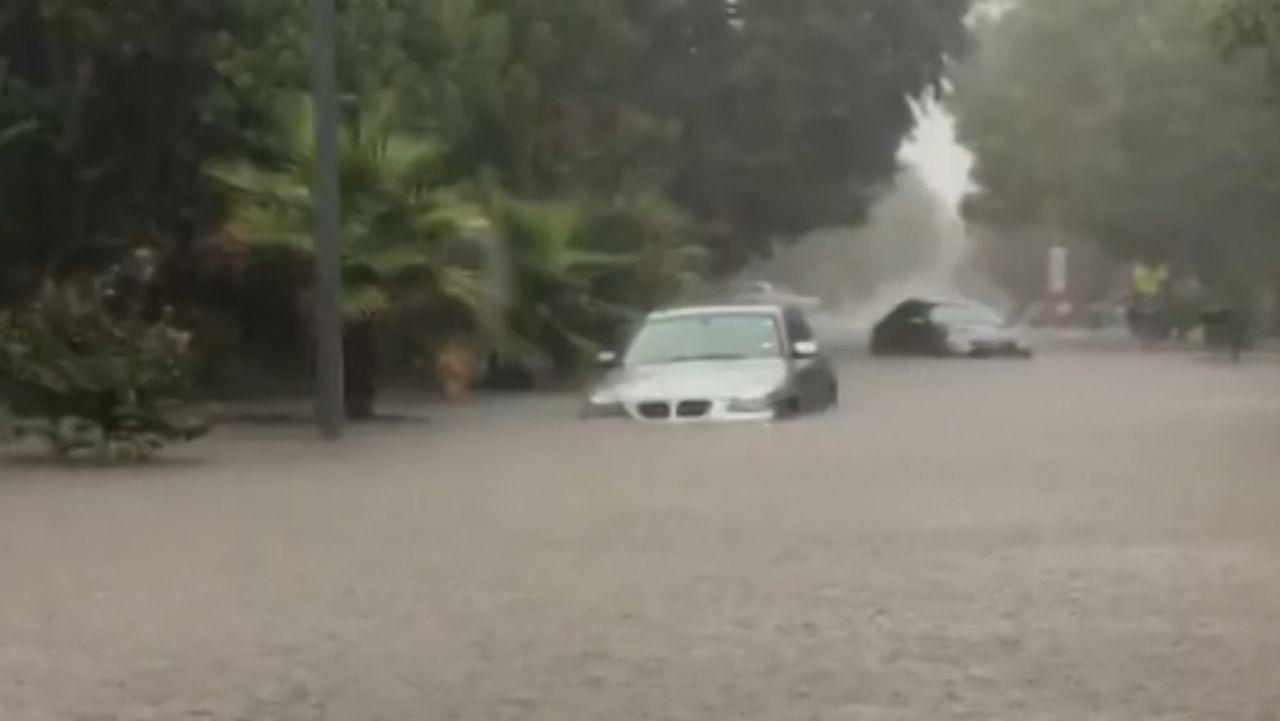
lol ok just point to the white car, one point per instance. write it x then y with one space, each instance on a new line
746 362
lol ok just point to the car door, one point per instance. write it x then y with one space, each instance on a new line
812 374
919 332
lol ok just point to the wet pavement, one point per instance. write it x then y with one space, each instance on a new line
1092 535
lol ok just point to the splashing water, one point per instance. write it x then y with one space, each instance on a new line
946 167
934 154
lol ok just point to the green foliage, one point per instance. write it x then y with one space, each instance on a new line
1120 123
90 379
650 143
792 110
669 257
107 111
581 269
764 118
400 221
554 274
1251 24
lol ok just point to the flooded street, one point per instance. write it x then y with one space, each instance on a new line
1092 535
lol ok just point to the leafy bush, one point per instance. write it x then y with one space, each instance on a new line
93 378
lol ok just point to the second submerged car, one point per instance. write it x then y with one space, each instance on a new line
946 328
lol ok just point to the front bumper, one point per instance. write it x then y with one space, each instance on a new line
982 348
682 411
1009 350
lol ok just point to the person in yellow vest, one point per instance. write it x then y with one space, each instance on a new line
1145 313
1149 280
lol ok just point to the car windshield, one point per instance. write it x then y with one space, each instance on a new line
966 314
720 336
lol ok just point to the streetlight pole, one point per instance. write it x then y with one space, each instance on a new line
330 401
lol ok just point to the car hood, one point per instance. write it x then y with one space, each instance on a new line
692 380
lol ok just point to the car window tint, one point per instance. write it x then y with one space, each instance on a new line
908 310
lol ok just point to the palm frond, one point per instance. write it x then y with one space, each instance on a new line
272 226
261 186
392 261
466 287
408 159
17 131
442 215
595 260
399 224
364 301
542 228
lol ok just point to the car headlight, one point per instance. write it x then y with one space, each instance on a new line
604 407
761 404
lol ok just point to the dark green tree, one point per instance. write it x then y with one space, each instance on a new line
792 110
107 113
1120 124
403 223
1252 24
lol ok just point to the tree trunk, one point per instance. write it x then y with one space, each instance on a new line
360 358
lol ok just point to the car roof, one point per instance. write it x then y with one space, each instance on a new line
936 302
719 309
913 303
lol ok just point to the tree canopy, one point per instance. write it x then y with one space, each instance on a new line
106 116
1252 24
684 138
758 118
1124 124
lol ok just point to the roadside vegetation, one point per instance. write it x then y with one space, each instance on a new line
1150 131
524 177
613 153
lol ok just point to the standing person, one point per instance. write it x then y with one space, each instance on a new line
1240 301
1145 312
1184 300
456 367
1229 319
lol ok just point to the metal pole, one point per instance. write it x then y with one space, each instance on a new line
330 401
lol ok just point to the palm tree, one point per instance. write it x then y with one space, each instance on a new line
402 223
579 269
554 311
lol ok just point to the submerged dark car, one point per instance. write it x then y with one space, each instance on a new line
715 364
940 328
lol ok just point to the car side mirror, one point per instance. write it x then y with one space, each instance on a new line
918 320
607 359
805 349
